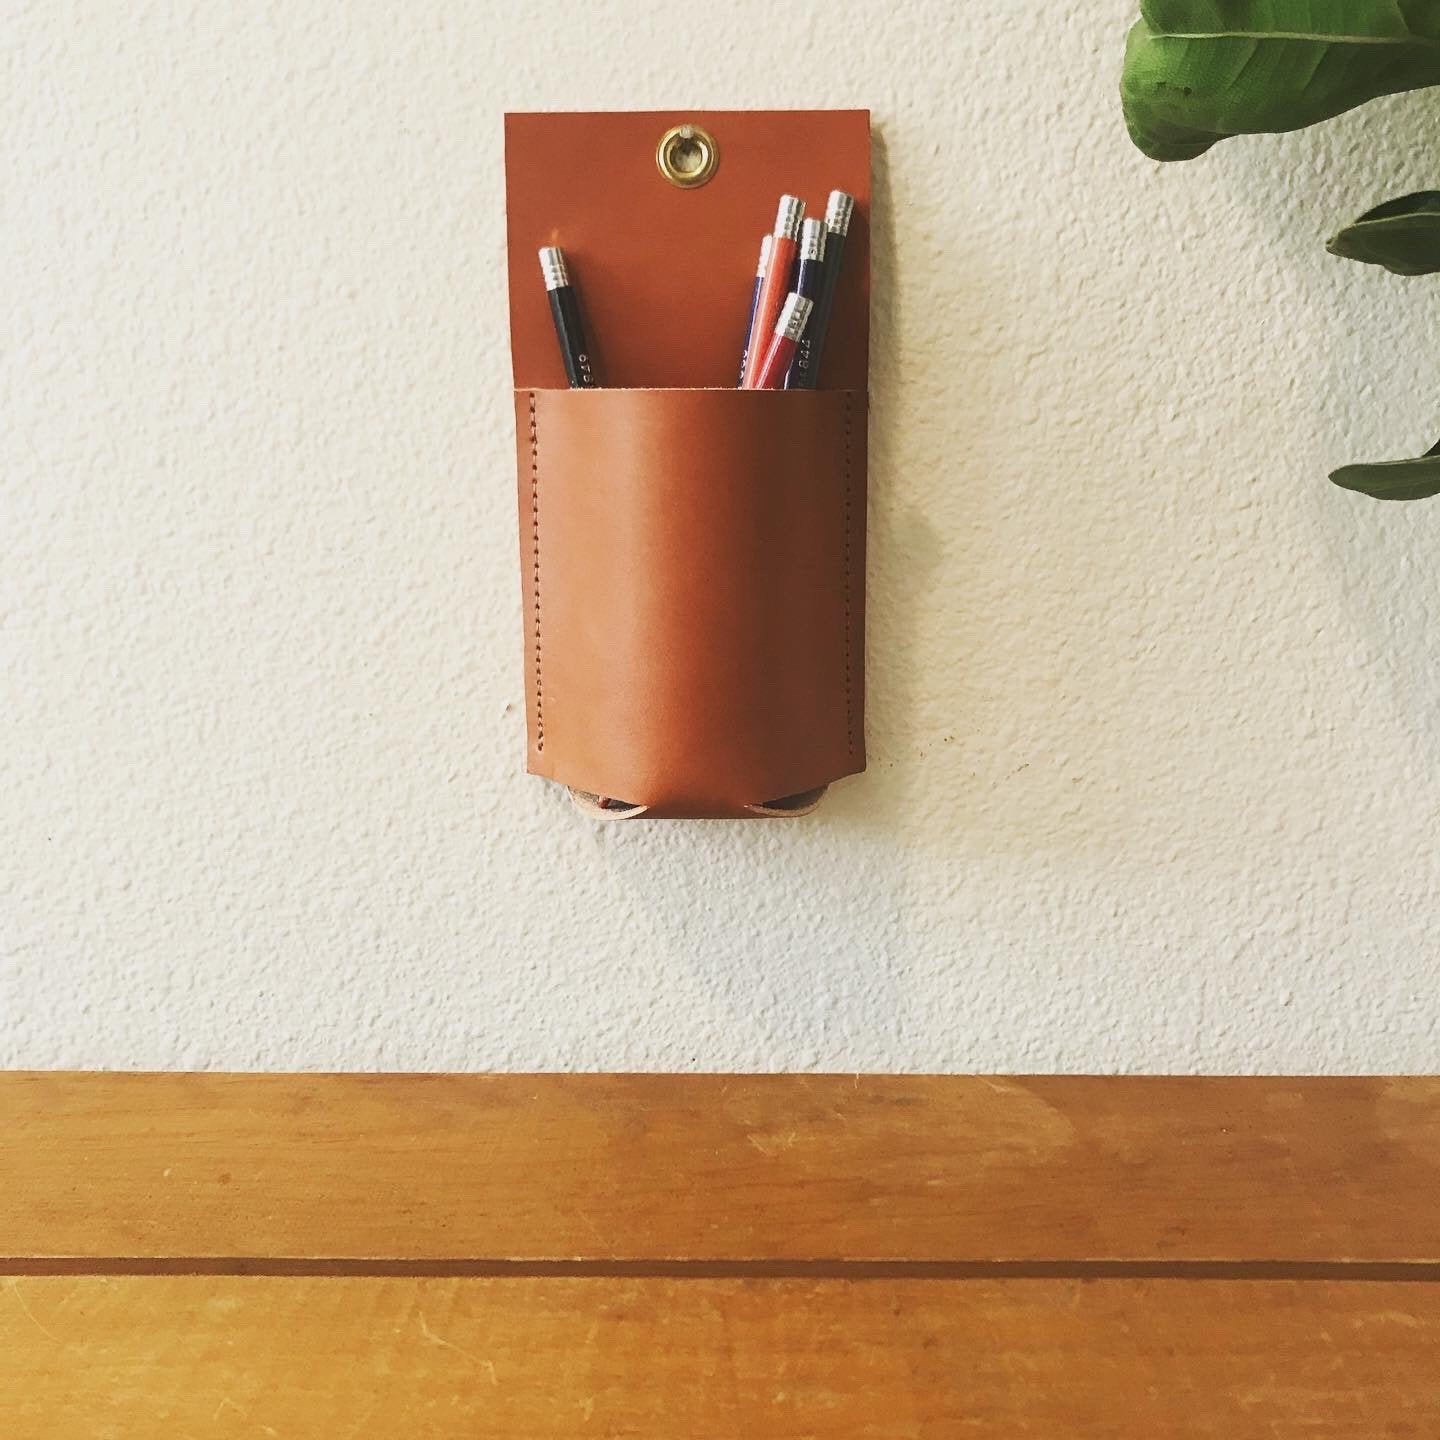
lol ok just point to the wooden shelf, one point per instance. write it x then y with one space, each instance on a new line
538 1256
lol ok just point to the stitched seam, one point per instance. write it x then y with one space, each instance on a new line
535 571
849 579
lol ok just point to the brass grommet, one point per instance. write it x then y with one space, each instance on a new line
687 156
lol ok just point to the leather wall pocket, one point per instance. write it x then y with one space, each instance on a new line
692 557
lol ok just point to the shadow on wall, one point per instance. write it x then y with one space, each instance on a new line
1000 566
904 545
1077 578
1349 372
1380 400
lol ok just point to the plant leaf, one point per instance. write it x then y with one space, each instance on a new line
1197 71
1403 235
1394 479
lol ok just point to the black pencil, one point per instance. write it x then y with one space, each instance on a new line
565 311
809 282
837 225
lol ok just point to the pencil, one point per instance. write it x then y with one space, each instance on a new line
565 312
809 278
837 225
770 372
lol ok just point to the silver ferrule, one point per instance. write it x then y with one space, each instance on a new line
793 316
789 216
812 240
766 245
838 210
552 267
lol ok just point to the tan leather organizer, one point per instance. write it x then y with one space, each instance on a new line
692 554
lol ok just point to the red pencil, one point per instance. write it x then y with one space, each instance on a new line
777 273
771 371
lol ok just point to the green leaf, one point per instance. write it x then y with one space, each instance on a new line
1402 235
1394 479
1197 71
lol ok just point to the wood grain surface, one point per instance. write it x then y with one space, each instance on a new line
227 1358
649 1171
364 1257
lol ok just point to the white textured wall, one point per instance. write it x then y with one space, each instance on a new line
1156 767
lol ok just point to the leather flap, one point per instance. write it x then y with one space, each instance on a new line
664 274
